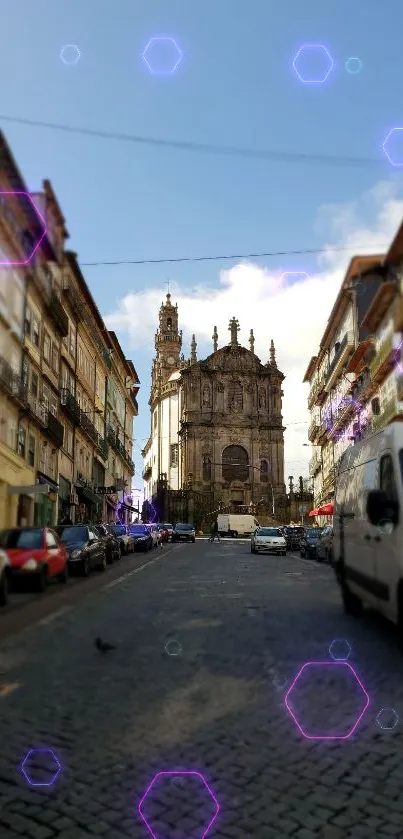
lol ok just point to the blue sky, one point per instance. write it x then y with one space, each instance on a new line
234 87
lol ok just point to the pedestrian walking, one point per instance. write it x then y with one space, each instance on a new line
214 532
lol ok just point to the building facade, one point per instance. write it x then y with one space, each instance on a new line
354 378
216 424
63 453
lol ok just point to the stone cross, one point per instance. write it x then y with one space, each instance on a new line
234 328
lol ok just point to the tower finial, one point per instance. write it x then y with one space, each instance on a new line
215 339
273 361
252 341
234 328
193 348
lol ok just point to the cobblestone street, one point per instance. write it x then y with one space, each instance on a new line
209 639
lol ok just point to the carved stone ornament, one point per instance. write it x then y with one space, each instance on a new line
220 387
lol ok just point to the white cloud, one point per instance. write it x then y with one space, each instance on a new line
294 315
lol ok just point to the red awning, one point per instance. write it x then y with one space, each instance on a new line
313 513
326 510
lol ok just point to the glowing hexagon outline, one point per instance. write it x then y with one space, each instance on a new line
348 400
316 47
179 647
388 727
46 750
340 641
353 72
179 53
176 772
8 262
70 63
327 664
386 140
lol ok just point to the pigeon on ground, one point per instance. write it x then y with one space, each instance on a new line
103 646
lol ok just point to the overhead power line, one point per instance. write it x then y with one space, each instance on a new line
203 148
218 258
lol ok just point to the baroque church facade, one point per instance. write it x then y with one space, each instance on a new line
216 425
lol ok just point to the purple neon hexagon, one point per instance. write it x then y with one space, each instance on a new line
329 63
310 664
27 758
14 194
177 54
385 145
175 774
345 400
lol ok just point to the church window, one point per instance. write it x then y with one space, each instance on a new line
169 324
235 462
235 396
264 471
174 455
206 468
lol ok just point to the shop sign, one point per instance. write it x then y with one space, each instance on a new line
105 490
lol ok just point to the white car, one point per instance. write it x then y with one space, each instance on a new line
268 539
155 534
4 577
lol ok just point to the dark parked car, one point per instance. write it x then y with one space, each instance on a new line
122 533
84 547
184 533
142 538
309 542
111 542
324 550
293 537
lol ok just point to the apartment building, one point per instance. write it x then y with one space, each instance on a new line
346 387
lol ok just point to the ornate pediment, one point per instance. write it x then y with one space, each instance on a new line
234 360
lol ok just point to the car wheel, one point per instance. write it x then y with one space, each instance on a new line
64 575
4 589
85 568
193 540
351 603
110 558
302 555
42 579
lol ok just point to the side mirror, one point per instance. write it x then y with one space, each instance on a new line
379 508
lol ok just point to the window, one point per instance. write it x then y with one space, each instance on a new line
51 541
31 450
206 469
69 442
55 358
34 384
53 404
72 341
80 359
264 471
36 332
45 395
46 347
174 455
235 464
27 323
21 440
387 480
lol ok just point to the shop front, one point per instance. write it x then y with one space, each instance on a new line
45 505
16 508
89 507
65 508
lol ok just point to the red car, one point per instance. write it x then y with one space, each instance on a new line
35 553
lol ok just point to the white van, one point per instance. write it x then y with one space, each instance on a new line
234 525
368 525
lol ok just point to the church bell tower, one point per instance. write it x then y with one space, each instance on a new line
168 339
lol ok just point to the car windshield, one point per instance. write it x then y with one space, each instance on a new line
138 528
184 527
119 529
72 534
268 531
167 526
313 532
29 539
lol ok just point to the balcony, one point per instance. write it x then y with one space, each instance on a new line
312 393
103 447
37 409
58 314
54 430
313 428
388 411
315 463
320 394
147 472
386 358
88 427
70 405
343 411
383 299
10 382
111 437
336 366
